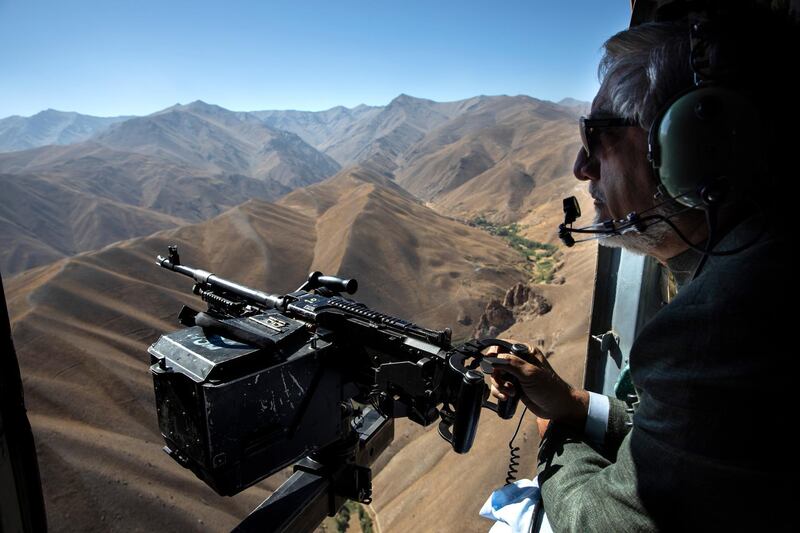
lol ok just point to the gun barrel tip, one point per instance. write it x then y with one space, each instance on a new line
351 286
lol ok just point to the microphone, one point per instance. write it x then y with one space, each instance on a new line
572 211
635 222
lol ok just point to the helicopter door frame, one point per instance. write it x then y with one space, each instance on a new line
21 501
627 294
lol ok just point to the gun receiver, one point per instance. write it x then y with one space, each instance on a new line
260 380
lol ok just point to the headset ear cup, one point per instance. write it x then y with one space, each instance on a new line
707 139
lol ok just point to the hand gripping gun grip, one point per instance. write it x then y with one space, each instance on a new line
505 409
459 426
467 413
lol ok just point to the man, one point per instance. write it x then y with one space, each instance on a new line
708 446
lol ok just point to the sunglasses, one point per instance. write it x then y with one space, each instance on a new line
591 126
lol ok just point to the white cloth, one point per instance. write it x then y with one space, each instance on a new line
513 506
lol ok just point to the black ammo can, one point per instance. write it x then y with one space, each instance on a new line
235 414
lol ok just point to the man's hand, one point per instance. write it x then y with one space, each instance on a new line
543 391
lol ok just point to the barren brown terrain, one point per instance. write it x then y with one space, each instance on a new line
83 320
82 326
427 487
50 127
189 162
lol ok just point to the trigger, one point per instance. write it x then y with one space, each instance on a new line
488 364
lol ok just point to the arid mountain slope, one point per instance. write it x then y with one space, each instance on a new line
140 180
365 133
398 126
320 129
50 127
59 201
427 487
493 158
188 162
362 210
485 155
44 220
82 326
216 140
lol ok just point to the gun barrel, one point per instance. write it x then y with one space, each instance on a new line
269 301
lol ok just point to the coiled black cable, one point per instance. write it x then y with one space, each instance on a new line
513 462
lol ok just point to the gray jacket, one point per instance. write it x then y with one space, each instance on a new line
711 445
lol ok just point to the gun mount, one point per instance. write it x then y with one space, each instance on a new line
260 381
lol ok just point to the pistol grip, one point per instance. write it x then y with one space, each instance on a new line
506 408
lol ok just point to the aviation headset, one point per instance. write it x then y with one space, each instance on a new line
705 144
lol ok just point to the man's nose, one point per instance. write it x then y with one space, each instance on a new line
585 167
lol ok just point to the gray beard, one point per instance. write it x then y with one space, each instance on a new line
647 242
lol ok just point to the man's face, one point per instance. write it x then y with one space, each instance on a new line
621 181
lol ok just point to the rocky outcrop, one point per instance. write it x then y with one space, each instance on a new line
520 301
495 318
517 295
524 300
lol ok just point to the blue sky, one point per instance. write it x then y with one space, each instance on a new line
135 57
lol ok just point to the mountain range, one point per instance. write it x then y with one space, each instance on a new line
381 194
82 326
483 155
187 162
50 127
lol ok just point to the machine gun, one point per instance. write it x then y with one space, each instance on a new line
261 381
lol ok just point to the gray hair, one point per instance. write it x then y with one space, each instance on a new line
642 69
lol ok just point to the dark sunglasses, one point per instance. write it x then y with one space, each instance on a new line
590 127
